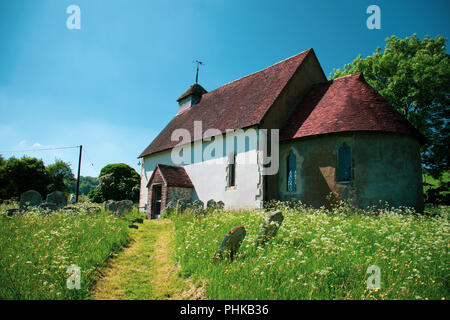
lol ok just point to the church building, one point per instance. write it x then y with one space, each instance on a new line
285 132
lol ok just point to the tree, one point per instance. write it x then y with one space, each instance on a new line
20 175
413 75
118 181
86 185
3 181
60 175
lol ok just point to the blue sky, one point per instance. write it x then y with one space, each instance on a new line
112 85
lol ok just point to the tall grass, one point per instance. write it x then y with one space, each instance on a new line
36 249
320 254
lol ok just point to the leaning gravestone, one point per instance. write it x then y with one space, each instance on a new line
231 242
30 198
211 204
270 227
220 204
58 198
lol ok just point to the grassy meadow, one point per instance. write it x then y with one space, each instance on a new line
320 254
317 254
36 249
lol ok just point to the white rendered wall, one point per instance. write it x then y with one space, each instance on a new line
209 175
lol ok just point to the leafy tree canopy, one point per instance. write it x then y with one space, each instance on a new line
414 76
118 181
20 175
61 176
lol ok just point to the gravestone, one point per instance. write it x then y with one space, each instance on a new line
270 227
181 206
30 198
124 206
48 206
198 207
93 209
211 204
220 204
58 198
231 242
111 206
11 212
171 205
69 208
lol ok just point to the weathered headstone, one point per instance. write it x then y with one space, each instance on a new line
211 204
58 198
48 206
171 205
107 204
30 198
93 209
111 206
231 242
220 204
126 205
11 212
69 208
181 206
270 227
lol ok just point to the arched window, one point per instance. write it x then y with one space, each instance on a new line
291 172
344 164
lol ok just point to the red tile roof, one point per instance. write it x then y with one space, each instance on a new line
172 176
348 103
238 104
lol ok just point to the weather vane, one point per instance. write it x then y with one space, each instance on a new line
198 64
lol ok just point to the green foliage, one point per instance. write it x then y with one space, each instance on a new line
95 195
436 191
35 251
20 175
118 181
61 176
414 76
86 185
319 254
27 173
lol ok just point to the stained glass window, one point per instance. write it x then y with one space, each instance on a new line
291 172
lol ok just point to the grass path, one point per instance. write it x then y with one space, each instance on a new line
146 269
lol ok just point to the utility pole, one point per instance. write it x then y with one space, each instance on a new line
78 179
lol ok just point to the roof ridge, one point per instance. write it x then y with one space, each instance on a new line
253 73
358 75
